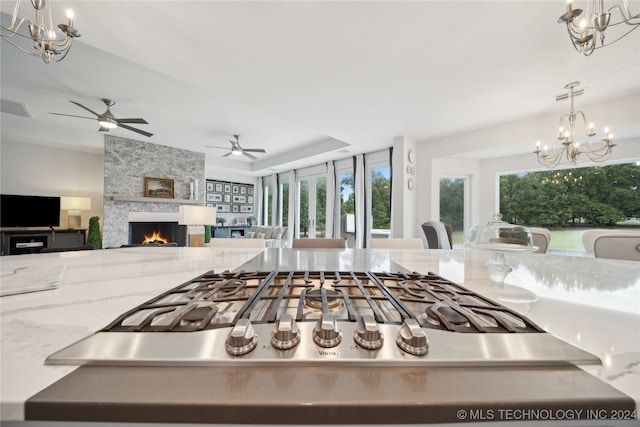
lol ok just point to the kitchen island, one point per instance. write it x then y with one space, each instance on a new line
593 304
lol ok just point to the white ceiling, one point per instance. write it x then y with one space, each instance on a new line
307 81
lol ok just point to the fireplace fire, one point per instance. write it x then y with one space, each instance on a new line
155 239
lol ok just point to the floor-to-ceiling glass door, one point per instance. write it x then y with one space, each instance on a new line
267 192
312 194
347 207
454 205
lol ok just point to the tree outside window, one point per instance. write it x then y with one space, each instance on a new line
594 196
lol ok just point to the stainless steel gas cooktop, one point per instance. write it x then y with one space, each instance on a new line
338 317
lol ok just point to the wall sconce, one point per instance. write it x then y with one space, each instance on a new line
195 218
74 206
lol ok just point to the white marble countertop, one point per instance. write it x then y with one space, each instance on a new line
591 303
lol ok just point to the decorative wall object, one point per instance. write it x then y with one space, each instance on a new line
158 187
230 196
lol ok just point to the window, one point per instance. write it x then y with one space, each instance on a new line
454 205
570 201
312 192
378 197
381 198
268 203
284 204
347 208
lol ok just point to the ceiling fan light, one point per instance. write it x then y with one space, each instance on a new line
237 151
109 124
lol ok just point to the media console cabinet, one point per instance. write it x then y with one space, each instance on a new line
230 231
16 242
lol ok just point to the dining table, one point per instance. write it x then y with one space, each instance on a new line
49 301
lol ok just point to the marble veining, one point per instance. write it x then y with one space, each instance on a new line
600 316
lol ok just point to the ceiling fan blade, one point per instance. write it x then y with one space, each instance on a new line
249 155
227 155
254 150
82 106
213 146
71 115
142 132
137 120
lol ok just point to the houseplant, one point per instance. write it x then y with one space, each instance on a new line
94 232
207 233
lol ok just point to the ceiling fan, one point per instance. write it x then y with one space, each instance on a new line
238 150
108 121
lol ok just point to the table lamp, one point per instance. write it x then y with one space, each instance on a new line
74 206
195 218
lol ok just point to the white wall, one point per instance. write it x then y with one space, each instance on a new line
38 170
211 172
403 208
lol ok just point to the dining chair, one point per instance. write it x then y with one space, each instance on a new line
623 246
410 243
237 242
589 237
319 243
541 238
438 235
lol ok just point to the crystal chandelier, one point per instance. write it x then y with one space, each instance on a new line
586 32
569 149
41 34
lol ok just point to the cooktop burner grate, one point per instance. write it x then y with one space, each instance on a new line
219 300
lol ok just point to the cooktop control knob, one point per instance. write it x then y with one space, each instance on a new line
242 338
326 333
367 333
411 338
285 335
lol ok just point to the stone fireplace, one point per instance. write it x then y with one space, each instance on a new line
126 164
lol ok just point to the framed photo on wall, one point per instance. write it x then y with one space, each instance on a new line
158 187
230 197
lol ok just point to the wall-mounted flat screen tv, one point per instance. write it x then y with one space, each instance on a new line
29 211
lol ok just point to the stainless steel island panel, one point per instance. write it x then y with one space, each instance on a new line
322 395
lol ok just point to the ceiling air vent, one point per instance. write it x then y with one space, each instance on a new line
14 108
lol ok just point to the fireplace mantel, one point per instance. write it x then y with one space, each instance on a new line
154 200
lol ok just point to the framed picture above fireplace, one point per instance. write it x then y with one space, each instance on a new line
158 187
